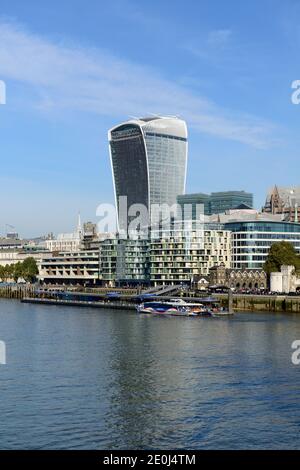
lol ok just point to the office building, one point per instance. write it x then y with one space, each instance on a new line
215 203
149 160
226 200
251 239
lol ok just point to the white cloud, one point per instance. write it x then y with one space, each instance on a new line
92 80
219 37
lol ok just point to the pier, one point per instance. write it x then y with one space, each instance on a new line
261 303
16 291
129 298
78 303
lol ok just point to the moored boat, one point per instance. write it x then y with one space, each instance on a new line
174 307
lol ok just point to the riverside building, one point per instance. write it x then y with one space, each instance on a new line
182 254
253 233
79 267
18 255
124 262
252 240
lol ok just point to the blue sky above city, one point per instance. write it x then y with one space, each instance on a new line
73 69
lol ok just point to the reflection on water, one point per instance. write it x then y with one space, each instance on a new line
80 378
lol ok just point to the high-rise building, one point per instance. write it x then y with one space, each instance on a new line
226 200
214 203
192 204
149 160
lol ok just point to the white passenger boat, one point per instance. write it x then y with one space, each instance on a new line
174 307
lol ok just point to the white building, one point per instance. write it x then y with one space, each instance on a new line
252 235
284 281
8 257
80 267
66 241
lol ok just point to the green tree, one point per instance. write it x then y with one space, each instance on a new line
18 271
6 272
29 269
281 253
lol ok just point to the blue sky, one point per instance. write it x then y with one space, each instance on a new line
75 68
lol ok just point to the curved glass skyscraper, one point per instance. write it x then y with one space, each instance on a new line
149 160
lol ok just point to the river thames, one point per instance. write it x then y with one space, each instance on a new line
95 379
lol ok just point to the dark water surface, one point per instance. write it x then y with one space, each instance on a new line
96 379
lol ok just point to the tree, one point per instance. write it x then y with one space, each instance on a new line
281 253
18 271
29 269
6 272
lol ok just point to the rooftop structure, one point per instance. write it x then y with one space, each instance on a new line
285 201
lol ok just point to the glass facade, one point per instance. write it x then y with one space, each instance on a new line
251 241
123 261
132 261
223 201
167 162
216 203
128 157
193 204
149 158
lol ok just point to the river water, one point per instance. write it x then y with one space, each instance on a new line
104 379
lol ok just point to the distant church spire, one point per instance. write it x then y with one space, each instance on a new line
79 226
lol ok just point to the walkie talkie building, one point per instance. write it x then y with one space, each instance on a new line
149 160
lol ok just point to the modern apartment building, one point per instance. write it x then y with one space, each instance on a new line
185 254
124 262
